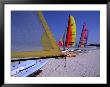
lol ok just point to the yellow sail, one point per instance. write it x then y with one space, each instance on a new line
71 32
73 26
50 47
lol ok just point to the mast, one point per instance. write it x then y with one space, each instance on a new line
61 43
64 35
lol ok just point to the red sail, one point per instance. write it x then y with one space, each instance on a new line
84 35
69 34
60 43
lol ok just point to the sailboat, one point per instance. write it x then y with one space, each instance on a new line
68 40
71 32
27 54
84 37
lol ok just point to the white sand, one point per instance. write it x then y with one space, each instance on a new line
83 65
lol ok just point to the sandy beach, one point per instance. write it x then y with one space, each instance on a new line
83 65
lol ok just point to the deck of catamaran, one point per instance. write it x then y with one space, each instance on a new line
85 64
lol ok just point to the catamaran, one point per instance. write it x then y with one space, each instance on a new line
27 54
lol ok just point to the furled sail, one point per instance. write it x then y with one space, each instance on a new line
71 32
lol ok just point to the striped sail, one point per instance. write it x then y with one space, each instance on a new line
84 37
71 32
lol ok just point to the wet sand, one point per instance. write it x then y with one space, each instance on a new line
83 65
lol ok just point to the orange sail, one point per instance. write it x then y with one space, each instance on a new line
71 32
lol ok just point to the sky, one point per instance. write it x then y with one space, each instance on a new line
24 23
58 22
